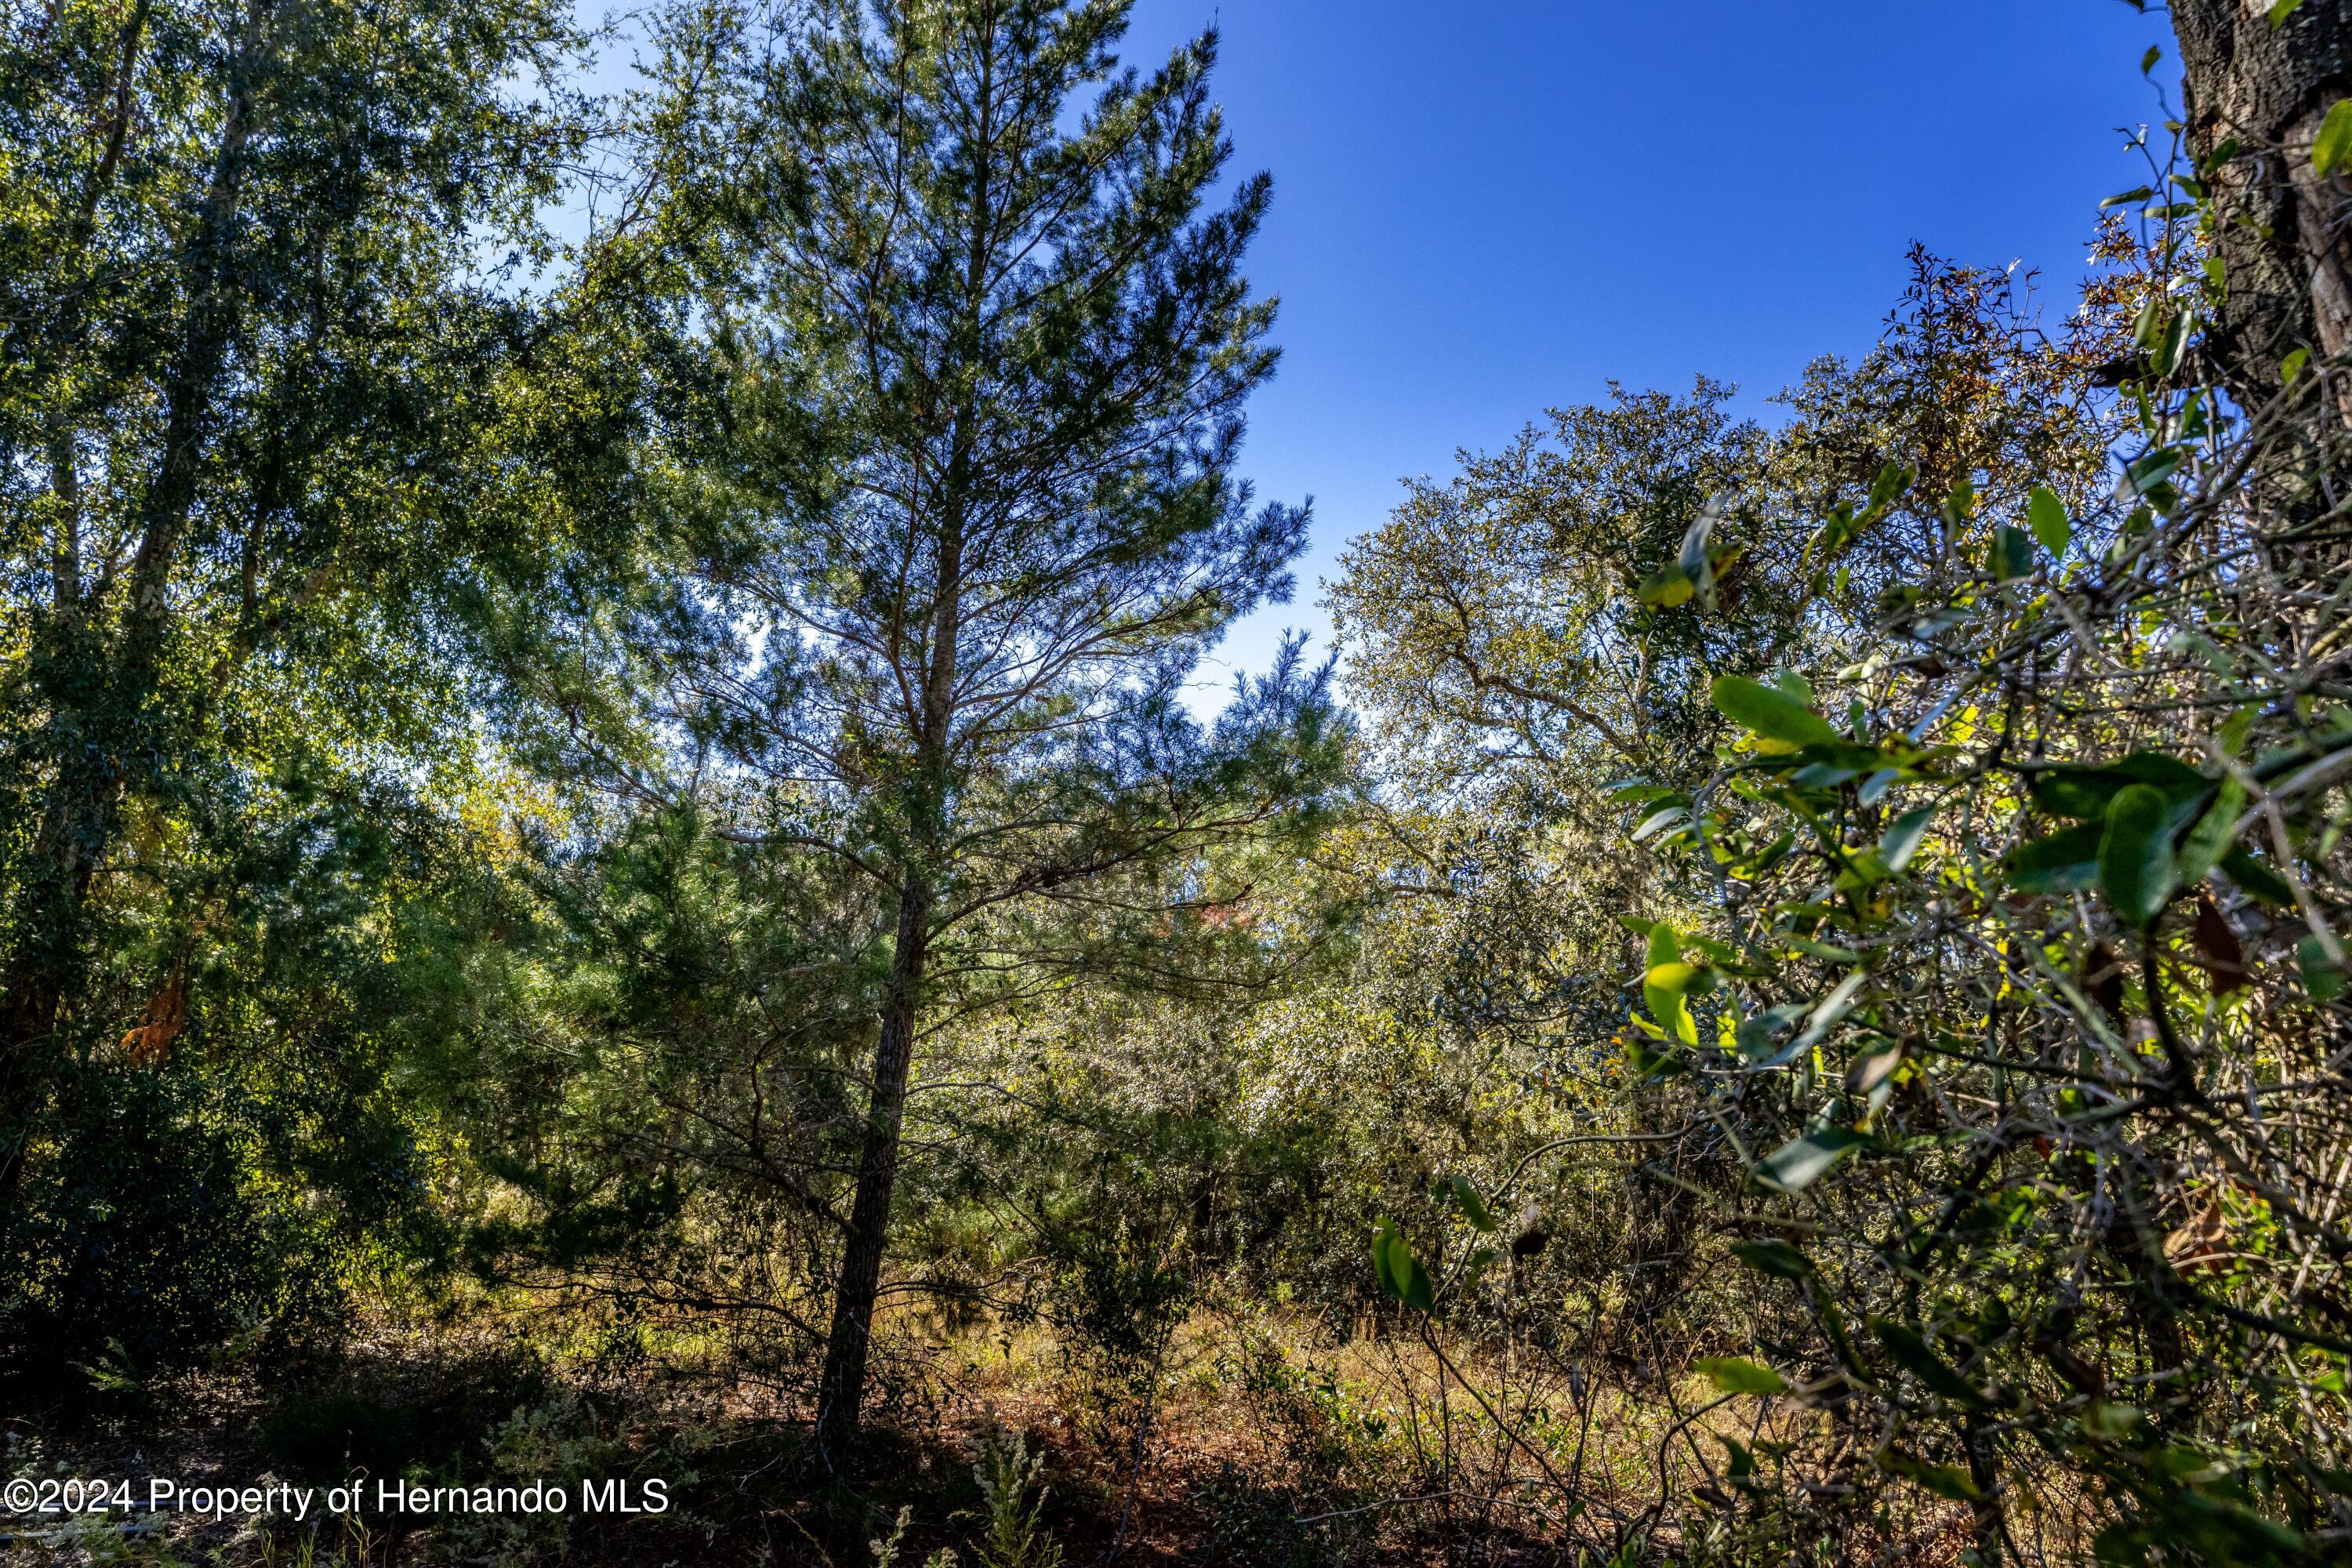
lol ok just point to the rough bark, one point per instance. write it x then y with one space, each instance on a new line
842 1388
2286 244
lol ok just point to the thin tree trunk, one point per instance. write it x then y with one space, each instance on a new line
843 1388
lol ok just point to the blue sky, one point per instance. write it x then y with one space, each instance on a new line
1486 208
1491 207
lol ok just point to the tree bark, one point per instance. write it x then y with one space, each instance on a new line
843 1386
2286 242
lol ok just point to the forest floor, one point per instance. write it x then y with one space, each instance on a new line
1268 1443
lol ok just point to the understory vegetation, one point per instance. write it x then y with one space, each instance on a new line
610 868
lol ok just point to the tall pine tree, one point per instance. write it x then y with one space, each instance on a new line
991 344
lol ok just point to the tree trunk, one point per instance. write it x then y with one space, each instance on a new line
86 794
843 1386
2286 246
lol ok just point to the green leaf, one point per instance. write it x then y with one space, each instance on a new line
1774 1258
2164 358
1659 821
2111 1419
1902 840
2291 366
1662 992
2048 516
2282 9
1666 588
2136 870
1384 1262
2083 790
1400 1273
2148 61
2322 975
1733 1376
1911 1353
2011 555
2209 839
1944 1480
2061 863
2331 149
1647 1063
2257 879
1753 1038
2153 470
1474 1207
1799 1162
1665 947
1762 710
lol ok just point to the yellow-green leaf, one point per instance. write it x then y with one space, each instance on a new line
1733 1376
2331 149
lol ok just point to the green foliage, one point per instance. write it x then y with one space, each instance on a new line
1733 1376
2331 149
267 471
1013 1535
660 772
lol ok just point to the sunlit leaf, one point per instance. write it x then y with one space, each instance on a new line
1734 1375
1663 988
2331 149
1762 710
1666 588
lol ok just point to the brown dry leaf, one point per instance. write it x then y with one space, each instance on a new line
149 1045
2218 952
2200 1246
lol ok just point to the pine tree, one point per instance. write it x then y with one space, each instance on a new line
991 348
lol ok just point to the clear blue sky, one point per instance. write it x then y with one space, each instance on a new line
1486 208
1491 207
